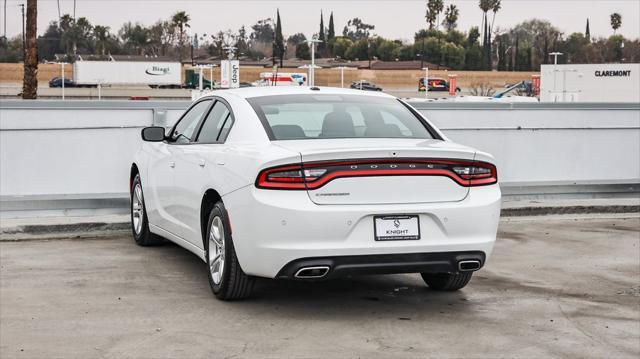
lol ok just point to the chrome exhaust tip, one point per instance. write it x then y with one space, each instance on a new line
312 272
468 266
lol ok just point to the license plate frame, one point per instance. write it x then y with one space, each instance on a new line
404 220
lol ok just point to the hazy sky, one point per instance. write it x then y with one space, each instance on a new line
397 19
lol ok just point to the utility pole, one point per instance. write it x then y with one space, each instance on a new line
422 55
5 20
24 40
369 53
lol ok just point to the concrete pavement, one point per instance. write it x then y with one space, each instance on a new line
553 288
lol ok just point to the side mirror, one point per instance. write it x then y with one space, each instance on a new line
153 134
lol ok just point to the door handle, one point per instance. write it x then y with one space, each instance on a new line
202 163
172 164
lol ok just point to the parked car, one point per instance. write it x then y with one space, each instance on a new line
57 82
436 84
365 85
311 184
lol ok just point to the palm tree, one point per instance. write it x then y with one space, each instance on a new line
451 17
616 21
30 82
485 6
496 6
101 34
434 8
181 21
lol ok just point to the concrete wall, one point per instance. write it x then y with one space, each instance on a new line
55 153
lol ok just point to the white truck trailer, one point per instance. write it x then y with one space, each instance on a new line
590 83
154 74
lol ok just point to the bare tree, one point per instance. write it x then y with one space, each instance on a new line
30 81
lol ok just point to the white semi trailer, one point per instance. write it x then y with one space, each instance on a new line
154 74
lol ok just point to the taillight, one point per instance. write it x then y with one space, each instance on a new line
313 175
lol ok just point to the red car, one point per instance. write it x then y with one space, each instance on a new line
435 84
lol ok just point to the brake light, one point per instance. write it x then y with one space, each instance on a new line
313 175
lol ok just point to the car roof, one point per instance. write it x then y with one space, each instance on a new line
249 92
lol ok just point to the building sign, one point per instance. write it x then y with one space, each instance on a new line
158 70
234 73
229 73
619 73
224 74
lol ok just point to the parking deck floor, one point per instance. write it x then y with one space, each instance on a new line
553 288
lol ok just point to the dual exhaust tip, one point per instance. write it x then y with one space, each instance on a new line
468 266
312 272
318 272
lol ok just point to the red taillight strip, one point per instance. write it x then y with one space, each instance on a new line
374 173
263 180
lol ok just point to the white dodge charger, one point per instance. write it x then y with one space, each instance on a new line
311 184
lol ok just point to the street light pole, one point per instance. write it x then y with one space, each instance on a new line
555 55
426 82
312 70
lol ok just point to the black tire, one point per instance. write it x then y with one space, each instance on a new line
233 283
447 281
143 236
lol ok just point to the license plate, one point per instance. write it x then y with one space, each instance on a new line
394 228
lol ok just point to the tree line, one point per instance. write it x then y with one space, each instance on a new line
523 47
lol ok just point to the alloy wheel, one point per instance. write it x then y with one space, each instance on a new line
137 209
216 250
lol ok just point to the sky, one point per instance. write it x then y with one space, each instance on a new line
395 19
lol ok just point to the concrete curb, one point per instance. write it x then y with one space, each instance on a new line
57 231
103 229
553 210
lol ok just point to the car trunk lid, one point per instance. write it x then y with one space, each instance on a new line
380 171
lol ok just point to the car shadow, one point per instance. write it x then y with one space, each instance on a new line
402 296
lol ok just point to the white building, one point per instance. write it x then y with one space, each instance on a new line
590 83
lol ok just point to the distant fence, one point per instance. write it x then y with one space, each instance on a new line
388 79
67 155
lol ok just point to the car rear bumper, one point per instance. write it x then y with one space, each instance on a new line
272 229
342 266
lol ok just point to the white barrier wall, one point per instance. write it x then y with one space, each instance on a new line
548 144
54 150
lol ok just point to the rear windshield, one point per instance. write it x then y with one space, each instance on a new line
298 117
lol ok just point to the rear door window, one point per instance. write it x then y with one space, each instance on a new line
213 124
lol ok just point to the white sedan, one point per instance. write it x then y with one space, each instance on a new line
312 184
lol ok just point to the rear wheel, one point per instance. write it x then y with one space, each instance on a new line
447 281
139 219
227 280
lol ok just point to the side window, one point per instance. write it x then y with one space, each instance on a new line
185 129
217 118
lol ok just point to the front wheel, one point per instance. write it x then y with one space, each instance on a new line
226 278
447 281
